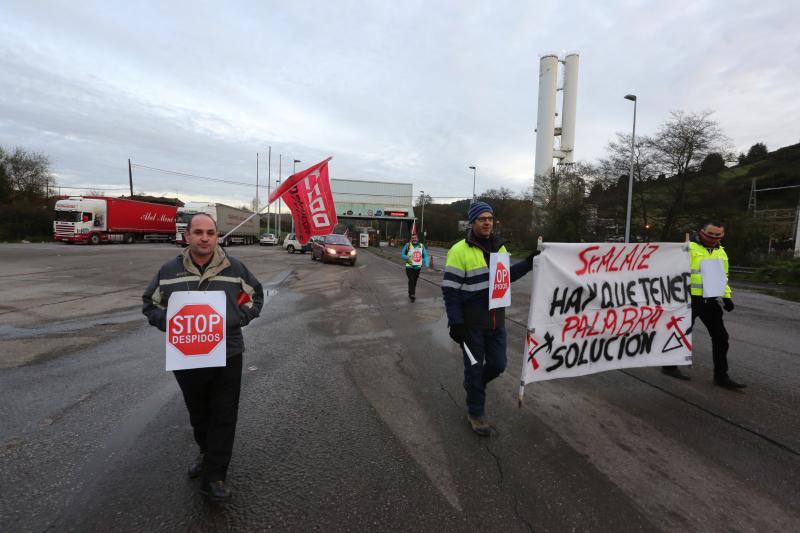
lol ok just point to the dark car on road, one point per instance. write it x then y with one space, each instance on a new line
333 248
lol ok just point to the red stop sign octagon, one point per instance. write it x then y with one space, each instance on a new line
502 281
196 329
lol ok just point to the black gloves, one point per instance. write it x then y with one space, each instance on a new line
727 304
529 259
458 332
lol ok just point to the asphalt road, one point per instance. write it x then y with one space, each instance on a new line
352 414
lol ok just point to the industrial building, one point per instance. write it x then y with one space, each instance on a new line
386 209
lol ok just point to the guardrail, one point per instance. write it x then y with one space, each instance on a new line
742 270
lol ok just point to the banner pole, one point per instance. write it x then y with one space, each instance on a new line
521 392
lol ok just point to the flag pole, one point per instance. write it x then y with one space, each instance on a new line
287 184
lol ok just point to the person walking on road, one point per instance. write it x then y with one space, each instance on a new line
416 256
211 394
709 264
472 324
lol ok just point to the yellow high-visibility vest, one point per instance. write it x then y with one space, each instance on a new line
700 253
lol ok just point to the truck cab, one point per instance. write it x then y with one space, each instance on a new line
79 220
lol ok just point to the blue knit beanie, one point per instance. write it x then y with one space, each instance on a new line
476 209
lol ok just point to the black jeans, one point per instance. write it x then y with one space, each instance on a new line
709 312
488 347
413 276
212 398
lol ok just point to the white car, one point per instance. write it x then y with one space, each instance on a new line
292 245
268 239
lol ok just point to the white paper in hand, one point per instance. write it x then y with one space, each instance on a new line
714 279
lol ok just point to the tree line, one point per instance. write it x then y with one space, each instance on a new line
685 172
25 202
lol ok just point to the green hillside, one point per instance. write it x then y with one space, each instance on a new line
753 230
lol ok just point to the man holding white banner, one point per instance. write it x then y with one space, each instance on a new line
476 289
218 296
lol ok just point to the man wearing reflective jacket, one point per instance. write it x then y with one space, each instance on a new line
705 246
211 394
465 289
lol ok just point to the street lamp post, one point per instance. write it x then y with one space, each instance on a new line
632 98
294 171
474 172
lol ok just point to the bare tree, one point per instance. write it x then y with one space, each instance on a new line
502 193
618 163
562 215
679 147
28 172
424 198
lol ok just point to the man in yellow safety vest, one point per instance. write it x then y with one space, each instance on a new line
709 283
477 329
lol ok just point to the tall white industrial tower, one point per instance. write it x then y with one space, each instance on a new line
546 129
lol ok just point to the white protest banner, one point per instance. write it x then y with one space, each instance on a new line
604 306
500 280
195 329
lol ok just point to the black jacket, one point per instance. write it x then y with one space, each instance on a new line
466 292
223 273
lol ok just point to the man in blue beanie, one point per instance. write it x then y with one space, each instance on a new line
466 298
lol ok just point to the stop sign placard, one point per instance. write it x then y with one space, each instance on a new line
502 281
196 330
499 280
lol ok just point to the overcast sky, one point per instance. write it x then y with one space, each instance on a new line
410 92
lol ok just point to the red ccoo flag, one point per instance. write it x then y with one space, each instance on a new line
414 228
308 195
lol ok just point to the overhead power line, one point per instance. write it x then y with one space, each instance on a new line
231 182
187 175
92 187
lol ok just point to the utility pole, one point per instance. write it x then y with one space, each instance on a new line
256 209
294 171
130 176
280 164
269 183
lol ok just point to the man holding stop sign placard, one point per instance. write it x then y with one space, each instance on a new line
476 291
202 299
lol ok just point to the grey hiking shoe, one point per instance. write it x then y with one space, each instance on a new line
479 425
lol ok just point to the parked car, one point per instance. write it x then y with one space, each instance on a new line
268 239
333 247
292 245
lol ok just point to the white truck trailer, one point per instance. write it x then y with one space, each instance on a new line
227 218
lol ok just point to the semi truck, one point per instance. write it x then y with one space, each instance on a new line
227 218
97 219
